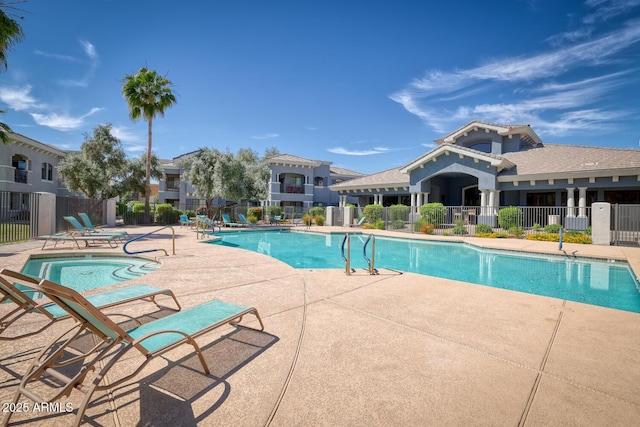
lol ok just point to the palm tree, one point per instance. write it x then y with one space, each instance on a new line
147 94
10 34
10 31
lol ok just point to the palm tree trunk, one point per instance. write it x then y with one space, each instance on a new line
147 182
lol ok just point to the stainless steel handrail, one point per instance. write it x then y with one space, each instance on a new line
173 238
370 262
347 258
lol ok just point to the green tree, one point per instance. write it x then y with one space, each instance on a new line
135 173
147 95
200 170
10 34
100 167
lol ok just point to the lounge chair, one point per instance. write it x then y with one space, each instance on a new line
12 289
88 225
80 229
226 220
244 221
184 220
112 342
276 219
360 222
77 238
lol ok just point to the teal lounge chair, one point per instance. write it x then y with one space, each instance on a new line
227 221
244 222
14 288
79 229
184 220
77 238
88 225
113 343
362 220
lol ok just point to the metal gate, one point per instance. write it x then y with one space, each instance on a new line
626 225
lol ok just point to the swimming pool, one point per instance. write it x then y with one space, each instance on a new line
604 283
88 271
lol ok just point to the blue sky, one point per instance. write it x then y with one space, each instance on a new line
365 84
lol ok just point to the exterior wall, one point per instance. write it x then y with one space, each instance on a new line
35 159
452 164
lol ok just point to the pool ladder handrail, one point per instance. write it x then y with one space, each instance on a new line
204 227
347 259
173 238
370 262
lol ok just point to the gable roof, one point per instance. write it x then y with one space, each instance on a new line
390 178
499 162
525 131
291 160
556 161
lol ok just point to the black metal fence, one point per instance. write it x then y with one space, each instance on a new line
18 216
626 225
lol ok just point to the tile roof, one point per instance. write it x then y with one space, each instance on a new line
387 178
294 160
345 172
556 158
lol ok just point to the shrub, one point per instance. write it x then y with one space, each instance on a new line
166 215
516 231
459 227
379 225
317 211
307 219
398 212
536 227
568 237
552 228
510 217
319 219
433 213
255 211
398 224
419 223
587 231
427 228
274 210
137 207
484 229
252 219
491 235
373 213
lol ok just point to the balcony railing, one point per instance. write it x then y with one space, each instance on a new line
20 176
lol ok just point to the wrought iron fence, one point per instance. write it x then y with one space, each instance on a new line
18 216
626 225
70 206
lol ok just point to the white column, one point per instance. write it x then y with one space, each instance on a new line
413 202
571 210
425 198
491 202
496 201
582 201
483 202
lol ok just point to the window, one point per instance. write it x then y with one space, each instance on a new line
173 183
318 181
47 172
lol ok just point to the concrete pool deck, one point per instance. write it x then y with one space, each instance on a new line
360 350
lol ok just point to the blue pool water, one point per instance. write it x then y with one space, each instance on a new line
604 283
84 272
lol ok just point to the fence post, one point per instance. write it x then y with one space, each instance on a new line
43 221
111 211
601 223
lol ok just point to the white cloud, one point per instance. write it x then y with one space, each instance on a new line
265 136
18 98
375 150
607 9
62 122
525 87
90 51
125 134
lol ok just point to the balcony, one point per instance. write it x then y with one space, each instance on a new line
20 176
